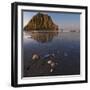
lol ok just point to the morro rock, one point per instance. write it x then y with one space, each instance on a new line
41 22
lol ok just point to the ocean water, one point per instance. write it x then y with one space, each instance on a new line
65 46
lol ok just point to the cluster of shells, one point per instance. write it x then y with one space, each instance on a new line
49 62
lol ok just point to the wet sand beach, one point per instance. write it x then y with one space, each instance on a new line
64 46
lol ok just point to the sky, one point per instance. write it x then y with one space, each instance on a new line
65 21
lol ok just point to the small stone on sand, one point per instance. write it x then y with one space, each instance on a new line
51 70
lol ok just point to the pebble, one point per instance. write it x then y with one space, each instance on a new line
51 70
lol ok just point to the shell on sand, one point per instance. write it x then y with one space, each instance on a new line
35 57
49 61
52 64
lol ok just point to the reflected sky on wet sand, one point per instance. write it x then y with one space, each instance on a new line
65 46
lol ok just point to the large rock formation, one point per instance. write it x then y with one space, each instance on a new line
41 22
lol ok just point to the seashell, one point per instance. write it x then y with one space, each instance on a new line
49 61
35 57
52 64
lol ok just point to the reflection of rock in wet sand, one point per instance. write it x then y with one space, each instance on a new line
43 36
65 49
41 65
